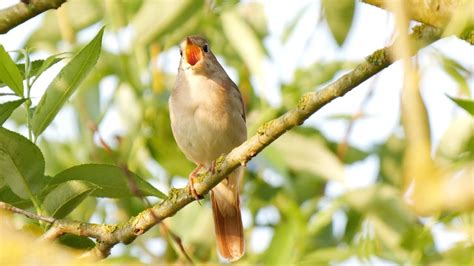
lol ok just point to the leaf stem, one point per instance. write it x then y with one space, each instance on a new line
28 91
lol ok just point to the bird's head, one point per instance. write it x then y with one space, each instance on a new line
196 54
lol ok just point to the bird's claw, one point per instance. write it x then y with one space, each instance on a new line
192 190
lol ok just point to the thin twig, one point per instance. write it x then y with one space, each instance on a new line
166 230
28 214
52 234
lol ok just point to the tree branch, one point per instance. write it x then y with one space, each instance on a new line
451 15
34 216
15 15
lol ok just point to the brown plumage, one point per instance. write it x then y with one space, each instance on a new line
208 120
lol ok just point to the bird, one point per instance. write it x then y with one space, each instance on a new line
207 116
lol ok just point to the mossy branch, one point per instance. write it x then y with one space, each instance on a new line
453 16
15 15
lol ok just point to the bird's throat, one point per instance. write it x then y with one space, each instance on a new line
193 54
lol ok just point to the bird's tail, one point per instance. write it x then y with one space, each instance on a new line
227 218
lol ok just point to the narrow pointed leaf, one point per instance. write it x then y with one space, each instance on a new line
251 51
66 197
9 73
339 15
7 195
112 181
467 105
21 164
37 66
65 83
6 109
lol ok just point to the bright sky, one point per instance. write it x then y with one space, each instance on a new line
372 29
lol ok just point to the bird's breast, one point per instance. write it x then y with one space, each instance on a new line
203 123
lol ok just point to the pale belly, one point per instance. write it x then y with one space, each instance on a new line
203 134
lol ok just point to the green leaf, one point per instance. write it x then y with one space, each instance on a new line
457 72
38 69
309 154
251 51
112 181
65 84
280 250
456 145
7 195
323 217
38 66
64 198
386 209
327 256
77 242
286 243
21 164
6 109
9 73
149 27
339 15
293 22
467 105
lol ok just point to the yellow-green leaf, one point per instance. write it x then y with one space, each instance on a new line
339 15
65 83
9 73
21 164
7 108
112 181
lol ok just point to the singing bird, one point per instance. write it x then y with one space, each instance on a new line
208 119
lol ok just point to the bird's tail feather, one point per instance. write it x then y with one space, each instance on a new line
227 217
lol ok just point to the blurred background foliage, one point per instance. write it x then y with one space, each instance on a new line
290 216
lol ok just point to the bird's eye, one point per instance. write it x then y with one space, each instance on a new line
180 52
205 48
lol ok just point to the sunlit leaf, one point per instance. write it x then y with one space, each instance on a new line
199 231
327 256
9 73
112 181
309 154
253 13
6 109
339 15
284 246
323 218
390 216
45 64
149 27
457 72
457 142
467 105
65 197
391 160
290 26
236 30
7 195
308 78
22 164
65 83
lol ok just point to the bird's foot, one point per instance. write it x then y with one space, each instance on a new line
192 190
212 168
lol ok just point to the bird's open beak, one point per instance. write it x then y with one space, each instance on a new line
193 52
